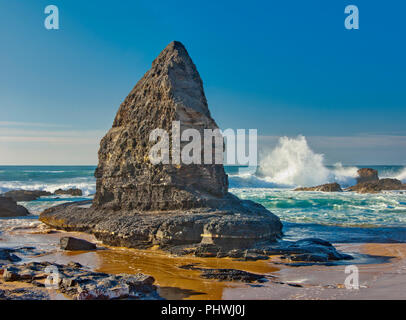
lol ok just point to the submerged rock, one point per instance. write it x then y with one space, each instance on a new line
139 204
308 250
26 195
79 283
71 192
329 187
9 208
69 243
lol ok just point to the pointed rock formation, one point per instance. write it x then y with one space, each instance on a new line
170 91
140 204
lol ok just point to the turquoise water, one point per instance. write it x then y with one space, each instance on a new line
340 217
47 178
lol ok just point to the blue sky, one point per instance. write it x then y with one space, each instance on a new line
285 68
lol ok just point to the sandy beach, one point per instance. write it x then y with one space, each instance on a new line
382 278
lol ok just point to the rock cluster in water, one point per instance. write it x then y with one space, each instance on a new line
367 182
139 204
26 195
367 175
329 187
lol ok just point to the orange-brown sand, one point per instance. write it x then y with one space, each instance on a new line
380 280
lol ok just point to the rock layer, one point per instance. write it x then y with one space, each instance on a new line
26 195
329 187
139 204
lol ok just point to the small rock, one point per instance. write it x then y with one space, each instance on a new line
6 256
329 187
70 243
227 274
80 283
26 195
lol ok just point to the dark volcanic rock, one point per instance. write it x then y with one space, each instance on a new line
126 179
227 274
80 283
26 195
309 250
69 243
329 187
378 186
7 256
367 175
9 208
24 294
72 192
139 204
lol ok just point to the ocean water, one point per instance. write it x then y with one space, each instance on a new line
341 216
48 178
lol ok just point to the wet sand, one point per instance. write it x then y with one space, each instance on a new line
384 279
173 282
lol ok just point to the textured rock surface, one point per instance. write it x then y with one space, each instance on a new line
71 192
367 175
69 243
26 195
170 91
138 204
378 186
329 187
9 208
310 250
79 283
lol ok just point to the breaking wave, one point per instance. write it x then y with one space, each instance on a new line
293 163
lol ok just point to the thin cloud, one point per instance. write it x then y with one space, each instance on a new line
31 124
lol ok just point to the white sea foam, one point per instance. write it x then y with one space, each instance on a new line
87 185
294 163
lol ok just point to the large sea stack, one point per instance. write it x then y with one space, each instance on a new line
139 204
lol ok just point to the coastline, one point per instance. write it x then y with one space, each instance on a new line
284 282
